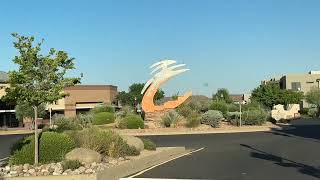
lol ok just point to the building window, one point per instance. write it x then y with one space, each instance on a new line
296 86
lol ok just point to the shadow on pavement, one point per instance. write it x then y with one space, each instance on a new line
306 128
303 168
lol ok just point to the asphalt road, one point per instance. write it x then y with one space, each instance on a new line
239 156
6 141
246 156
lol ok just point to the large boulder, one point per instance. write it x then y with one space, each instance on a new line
84 155
134 141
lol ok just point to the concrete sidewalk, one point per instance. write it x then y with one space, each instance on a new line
12 131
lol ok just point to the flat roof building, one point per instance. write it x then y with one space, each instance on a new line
299 82
81 98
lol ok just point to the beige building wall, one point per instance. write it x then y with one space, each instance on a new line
3 87
87 96
80 97
300 82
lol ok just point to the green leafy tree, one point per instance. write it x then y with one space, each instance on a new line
313 97
291 97
39 79
128 98
223 95
270 94
24 110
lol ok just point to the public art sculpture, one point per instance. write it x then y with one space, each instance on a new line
162 72
279 113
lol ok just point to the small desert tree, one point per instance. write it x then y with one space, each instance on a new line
24 110
313 97
40 79
223 94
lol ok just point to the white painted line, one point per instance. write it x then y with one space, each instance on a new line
4 159
148 169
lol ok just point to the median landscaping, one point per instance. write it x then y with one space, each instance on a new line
72 149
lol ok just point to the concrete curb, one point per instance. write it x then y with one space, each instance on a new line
133 166
262 129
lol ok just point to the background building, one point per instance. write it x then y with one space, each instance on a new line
7 113
298 82
301 82
81 98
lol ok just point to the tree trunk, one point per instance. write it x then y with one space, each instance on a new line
36 139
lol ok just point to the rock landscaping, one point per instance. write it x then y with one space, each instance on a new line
56 169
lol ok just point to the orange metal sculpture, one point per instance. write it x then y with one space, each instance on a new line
163 71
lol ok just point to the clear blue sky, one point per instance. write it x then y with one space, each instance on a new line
233 44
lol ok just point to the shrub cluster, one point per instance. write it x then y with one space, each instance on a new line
85 120
63 123
103 108
103 118
185 110
149 145
219 105
131 121
312 112
212 118
254 117
119 148
104 142
52 148
193 121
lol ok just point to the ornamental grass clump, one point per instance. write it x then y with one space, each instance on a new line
171 118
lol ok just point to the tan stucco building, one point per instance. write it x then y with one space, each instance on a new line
81 98
299 82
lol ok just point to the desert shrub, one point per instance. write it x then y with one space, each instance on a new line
104 142
254 105
212 118
102 108
93 138
235 122
233 108
312 112
52 148
233 115
198 103
254 117
148 144
103 118
193 121
119 148
23 152
125 111
71 164
304 111
63 123
85 120
184 110
130 150
219 105
170 118
131 122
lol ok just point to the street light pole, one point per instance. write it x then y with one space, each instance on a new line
240 115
